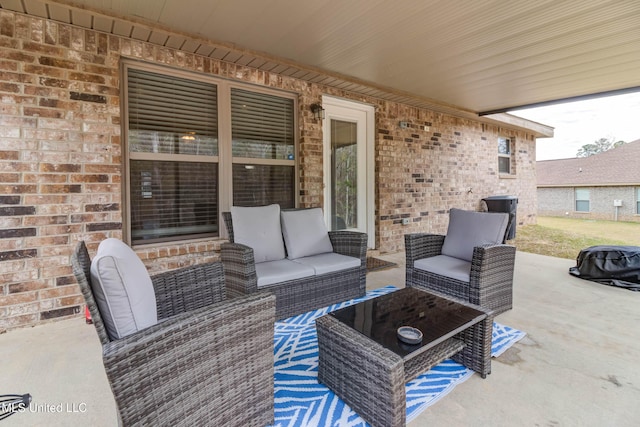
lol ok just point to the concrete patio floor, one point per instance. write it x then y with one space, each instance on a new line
577 366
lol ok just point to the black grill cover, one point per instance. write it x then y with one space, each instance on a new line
610 265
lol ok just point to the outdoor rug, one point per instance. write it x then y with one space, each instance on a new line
301 401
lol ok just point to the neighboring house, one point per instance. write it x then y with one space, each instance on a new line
103 135
601 186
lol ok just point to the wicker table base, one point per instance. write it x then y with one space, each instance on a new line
371 378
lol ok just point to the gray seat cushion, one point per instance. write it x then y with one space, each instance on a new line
271 272
468 229
329 262
259 228
305 233
447 266
123 289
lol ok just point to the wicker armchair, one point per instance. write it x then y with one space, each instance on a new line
191 368
490 271
298 296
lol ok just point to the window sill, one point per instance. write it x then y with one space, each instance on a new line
181 242
506 176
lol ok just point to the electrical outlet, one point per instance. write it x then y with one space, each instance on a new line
426 128
405 221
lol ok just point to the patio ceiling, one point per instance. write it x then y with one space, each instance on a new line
478 56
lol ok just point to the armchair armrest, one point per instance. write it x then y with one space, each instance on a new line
490 261
188 288
350 243
219 347
422 245
491 277
239 268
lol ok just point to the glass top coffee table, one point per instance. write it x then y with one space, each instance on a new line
364 362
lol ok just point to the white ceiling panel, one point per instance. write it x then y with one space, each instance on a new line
81 18
257 63
232 56
205 50
15 5
475 55
219 53
190 46
36 8
191 14
122 28
103 23
245 60
158 37
59 13
175 42
268 66
140 33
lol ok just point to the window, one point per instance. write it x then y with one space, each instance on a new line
262 145
638 200
181 132
504 155
173 157
344 179
582 200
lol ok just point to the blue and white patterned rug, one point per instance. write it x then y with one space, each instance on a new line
301 401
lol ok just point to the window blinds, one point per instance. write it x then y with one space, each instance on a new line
168 114
261 125
173 199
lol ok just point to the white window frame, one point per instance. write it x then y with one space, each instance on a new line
344 109
224 159
508 156
588 200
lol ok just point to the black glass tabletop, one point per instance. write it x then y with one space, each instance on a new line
436 317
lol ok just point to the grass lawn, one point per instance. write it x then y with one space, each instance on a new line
565 237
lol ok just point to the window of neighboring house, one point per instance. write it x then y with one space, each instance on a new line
582 200
181 131
504 155
638 200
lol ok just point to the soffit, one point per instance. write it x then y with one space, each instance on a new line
458 55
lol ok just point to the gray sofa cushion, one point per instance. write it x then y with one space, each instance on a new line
447 266
271 272
329 262
469 229
259 228
305 233
123 289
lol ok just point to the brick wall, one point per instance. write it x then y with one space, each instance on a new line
61 160
422 174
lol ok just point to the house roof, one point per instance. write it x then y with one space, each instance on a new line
618 166
471 56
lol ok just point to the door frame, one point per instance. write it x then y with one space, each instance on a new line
329 103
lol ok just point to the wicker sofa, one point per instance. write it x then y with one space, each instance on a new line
334 273
469 263
189 368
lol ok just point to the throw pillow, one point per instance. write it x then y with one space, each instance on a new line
259 228
122 289
305 233
468 229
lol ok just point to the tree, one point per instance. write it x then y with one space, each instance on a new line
599 146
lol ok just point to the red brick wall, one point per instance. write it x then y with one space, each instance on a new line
61 160
422 174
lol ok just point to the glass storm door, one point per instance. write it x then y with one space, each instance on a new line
346 167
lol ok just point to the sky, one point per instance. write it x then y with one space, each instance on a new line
583 122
